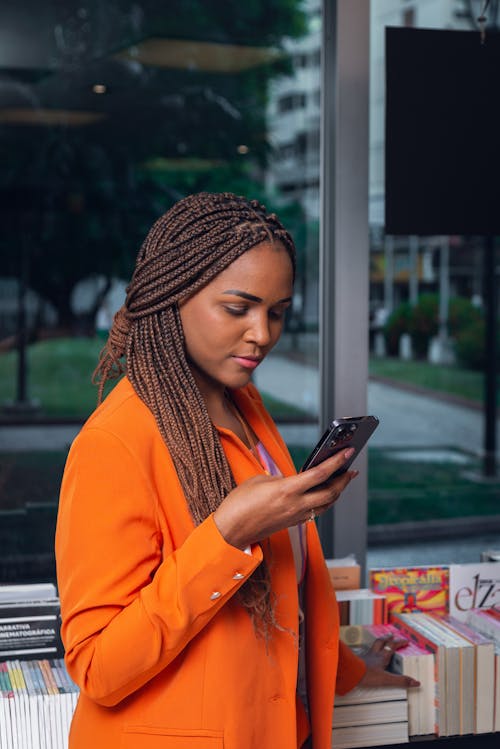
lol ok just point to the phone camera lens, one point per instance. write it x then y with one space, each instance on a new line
344 433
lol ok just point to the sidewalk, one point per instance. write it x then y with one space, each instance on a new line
407 419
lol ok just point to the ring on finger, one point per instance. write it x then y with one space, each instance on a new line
388 647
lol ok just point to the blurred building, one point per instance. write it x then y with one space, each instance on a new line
401 267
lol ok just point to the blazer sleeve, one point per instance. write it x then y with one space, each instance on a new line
130 602
351 669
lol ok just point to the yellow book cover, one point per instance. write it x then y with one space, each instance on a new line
411 589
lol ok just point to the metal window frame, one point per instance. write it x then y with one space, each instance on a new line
344 252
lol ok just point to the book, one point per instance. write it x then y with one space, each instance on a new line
370 716
490 555
460 676
364 695
7 716
31 706
30 629
376 734
415 630
39 692
473 586
37 700
19 719
484 674
27 592
409 589
412 660
368 713
361 606
345 573
484 621
496 723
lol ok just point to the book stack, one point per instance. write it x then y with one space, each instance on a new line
487 622
37 700
465 692
411 660
484 673
416 629
361 606
29 622
370 717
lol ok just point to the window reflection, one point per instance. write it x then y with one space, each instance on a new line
109 113
427 343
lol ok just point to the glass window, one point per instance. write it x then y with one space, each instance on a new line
427 342
109 113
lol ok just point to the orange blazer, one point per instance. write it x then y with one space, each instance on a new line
164 656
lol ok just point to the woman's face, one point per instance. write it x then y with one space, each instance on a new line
236 319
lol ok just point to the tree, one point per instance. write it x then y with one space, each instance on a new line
83 195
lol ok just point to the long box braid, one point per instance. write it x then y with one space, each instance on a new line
185 249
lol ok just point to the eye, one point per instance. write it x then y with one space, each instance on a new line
277 313
236 311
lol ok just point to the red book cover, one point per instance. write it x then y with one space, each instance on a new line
494 612
411 589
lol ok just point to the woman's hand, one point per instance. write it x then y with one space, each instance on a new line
378 658
266 504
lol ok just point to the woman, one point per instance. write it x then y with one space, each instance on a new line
184 554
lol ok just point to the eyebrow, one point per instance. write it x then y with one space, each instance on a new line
252 298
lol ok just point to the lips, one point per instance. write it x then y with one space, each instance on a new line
247 362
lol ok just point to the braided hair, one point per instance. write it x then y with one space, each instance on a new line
185 249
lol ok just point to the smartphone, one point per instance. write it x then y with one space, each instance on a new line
349 431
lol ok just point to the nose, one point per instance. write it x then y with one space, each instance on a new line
259 331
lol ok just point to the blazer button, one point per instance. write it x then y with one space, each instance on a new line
238 576
216 594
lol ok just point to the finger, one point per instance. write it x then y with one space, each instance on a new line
390 642
319 474
377 677
320 502
399 643
400 680
328 493
386 642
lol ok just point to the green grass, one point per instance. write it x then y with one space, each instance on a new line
59 374
453 380
59 378
408 490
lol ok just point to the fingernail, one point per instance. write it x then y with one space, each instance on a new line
354 473
349 452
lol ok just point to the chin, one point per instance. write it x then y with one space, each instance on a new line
239 381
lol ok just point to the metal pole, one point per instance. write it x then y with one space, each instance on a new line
490 395
444 289
413 269
21 328
389 274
